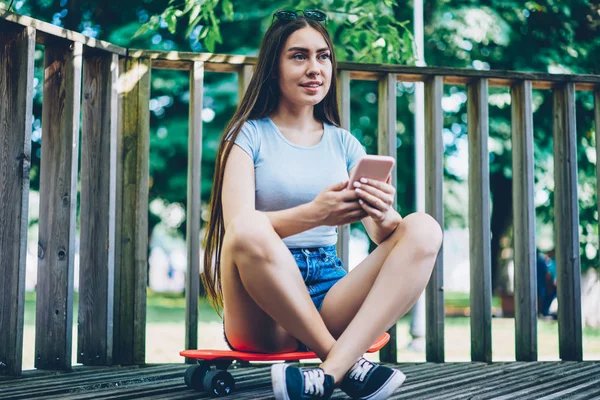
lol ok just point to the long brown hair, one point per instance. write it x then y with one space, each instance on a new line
261 98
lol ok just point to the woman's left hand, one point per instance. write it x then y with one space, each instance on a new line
376 197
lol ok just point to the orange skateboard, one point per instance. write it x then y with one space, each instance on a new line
219 382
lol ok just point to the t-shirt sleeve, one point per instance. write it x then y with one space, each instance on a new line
247 139
354 151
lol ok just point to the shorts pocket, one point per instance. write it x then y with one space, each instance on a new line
338 263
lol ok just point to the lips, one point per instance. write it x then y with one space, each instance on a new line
311 84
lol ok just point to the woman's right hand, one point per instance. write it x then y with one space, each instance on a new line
336 205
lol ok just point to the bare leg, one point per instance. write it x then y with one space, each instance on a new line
398 284
255 256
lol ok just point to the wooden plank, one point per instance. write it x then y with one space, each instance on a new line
371 71
131 237
514 375
386 145
597 137
47 32
513 380
343 97
16 85
193 239
524 223
566 228
244 77
98 190
553 382
479 222
434 177
58 204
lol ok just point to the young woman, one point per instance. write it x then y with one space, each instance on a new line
279 193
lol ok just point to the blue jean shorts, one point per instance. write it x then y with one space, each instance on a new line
320 268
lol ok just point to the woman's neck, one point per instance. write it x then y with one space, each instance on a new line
300 119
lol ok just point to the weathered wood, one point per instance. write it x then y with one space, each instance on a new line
526 373
131 237
47 32
58 204
512 380
343 97
479 222
244 77
98 191
566 225
386 145
524 223
434 177
193 239
16 83
371 71
597 128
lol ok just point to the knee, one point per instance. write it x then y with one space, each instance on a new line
424 233
248 232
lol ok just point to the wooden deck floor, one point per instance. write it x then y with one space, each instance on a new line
509 380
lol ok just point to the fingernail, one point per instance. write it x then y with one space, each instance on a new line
361 202
356 184
363 180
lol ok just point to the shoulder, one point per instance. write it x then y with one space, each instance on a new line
338 132
342 136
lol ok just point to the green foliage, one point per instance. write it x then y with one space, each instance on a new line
198 13
543 35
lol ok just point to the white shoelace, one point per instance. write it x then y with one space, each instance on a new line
314 381
360 369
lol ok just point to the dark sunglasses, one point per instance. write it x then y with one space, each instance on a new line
287 15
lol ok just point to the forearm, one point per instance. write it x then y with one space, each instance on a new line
293 220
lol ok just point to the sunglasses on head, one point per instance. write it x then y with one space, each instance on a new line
287 15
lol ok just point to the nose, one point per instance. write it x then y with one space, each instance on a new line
314 68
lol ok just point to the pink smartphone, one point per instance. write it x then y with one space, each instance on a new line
372 167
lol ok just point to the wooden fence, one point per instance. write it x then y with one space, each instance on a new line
108 87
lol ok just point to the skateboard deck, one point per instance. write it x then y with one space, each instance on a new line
245 356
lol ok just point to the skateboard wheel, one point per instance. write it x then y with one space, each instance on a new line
219 383
194 377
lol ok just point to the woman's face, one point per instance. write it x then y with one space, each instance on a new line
305 67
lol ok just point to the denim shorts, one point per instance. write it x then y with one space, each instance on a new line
320 268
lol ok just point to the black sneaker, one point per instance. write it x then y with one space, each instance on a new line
294 383
366 380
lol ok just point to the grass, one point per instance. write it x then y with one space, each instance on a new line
165 332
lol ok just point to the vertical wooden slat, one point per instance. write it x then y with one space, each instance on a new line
193 239
131 237
434 177
58 203
479 222
566 228
524 223
597 127
343 95
386 140
244 77
16 85
98 180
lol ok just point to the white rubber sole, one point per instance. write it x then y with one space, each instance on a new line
278 381
386 390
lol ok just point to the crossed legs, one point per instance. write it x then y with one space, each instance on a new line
267 305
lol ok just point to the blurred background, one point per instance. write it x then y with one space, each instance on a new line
545 36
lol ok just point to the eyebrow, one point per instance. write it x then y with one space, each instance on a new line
306 50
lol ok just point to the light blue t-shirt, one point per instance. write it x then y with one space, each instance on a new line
288 175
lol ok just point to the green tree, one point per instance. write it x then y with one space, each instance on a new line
546 35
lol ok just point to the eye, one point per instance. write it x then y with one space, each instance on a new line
298 55
327 55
